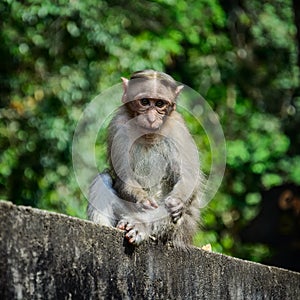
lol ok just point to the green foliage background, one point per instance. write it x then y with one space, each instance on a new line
240 55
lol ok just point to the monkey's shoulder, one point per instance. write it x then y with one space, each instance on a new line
177 120
120 118
176 126
177 116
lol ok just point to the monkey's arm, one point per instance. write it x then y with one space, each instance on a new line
185 163
105 206
122 135
130 190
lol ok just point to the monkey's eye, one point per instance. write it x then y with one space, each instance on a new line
160 103
145 101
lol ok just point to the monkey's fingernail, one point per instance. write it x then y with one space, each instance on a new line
121 226
175 219
128 235
177 213
129 226
147 206
153 204
132 233
132 241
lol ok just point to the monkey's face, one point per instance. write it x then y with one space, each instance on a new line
151 113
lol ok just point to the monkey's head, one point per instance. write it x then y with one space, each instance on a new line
151 97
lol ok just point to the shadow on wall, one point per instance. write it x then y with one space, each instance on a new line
278 226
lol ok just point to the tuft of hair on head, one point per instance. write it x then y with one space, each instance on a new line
152 74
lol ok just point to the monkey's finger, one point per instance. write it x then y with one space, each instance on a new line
174 211
153 203
177 214
173 204
175 219
148 206
176 208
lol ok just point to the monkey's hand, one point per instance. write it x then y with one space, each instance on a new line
131 192
135 233
174 207
148 204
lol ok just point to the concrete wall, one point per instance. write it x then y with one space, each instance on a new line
51 256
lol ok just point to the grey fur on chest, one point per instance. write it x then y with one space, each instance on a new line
153 167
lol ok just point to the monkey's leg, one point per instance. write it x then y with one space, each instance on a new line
106 208
101 199
176 221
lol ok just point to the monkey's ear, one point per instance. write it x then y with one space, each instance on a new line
125 83
178 89
125 86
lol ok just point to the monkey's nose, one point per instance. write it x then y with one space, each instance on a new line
151 117
151 120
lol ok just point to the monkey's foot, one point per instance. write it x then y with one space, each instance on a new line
175 208
135 232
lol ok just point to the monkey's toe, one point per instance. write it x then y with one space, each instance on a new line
121 225
134 237
135 232
125 225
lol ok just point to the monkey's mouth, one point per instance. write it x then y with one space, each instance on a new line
149 127
143 124
152 127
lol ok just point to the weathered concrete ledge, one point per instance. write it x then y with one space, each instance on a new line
52 256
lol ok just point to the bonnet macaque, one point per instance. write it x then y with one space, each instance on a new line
153 186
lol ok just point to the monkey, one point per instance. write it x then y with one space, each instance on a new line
153 187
